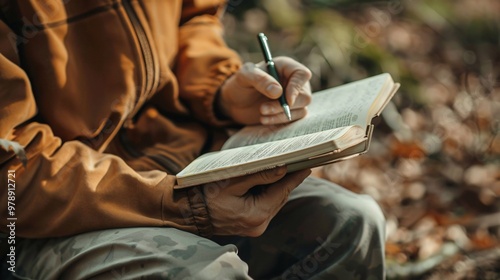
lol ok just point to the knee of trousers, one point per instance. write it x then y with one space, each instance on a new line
370 212
362 218
364 230
334 206
331 202
358 229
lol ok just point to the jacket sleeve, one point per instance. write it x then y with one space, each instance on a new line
68 188
204 61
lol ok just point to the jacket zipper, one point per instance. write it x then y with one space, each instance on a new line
147 53
148 88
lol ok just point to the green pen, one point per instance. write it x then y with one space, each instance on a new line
271 69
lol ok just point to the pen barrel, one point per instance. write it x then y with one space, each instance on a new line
271 69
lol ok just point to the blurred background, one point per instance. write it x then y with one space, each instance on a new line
434 163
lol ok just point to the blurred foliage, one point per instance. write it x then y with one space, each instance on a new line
434 164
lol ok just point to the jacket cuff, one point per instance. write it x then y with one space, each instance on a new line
186 209
219 76
199 212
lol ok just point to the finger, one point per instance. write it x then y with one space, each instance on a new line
295 87
251 76
273 107
276 194
297 76
281 118
304 95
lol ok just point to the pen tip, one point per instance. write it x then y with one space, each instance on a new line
288 114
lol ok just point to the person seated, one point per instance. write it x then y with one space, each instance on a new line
110 99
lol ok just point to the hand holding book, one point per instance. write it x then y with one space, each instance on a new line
236 210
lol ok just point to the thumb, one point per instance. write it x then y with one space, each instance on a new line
252 76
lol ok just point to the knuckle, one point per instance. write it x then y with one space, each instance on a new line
256 232
253 221
248 66
245 72
307 73
307 98
284 60
302 76
295 87
257 226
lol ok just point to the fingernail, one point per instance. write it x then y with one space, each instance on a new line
265 120
274 89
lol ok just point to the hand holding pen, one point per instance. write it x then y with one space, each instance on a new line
254 94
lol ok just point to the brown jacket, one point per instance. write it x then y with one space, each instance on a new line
109 98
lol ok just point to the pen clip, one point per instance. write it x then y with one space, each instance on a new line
265 47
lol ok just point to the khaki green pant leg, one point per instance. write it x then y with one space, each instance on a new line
132 253
323 232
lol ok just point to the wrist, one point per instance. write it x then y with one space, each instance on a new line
219 107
